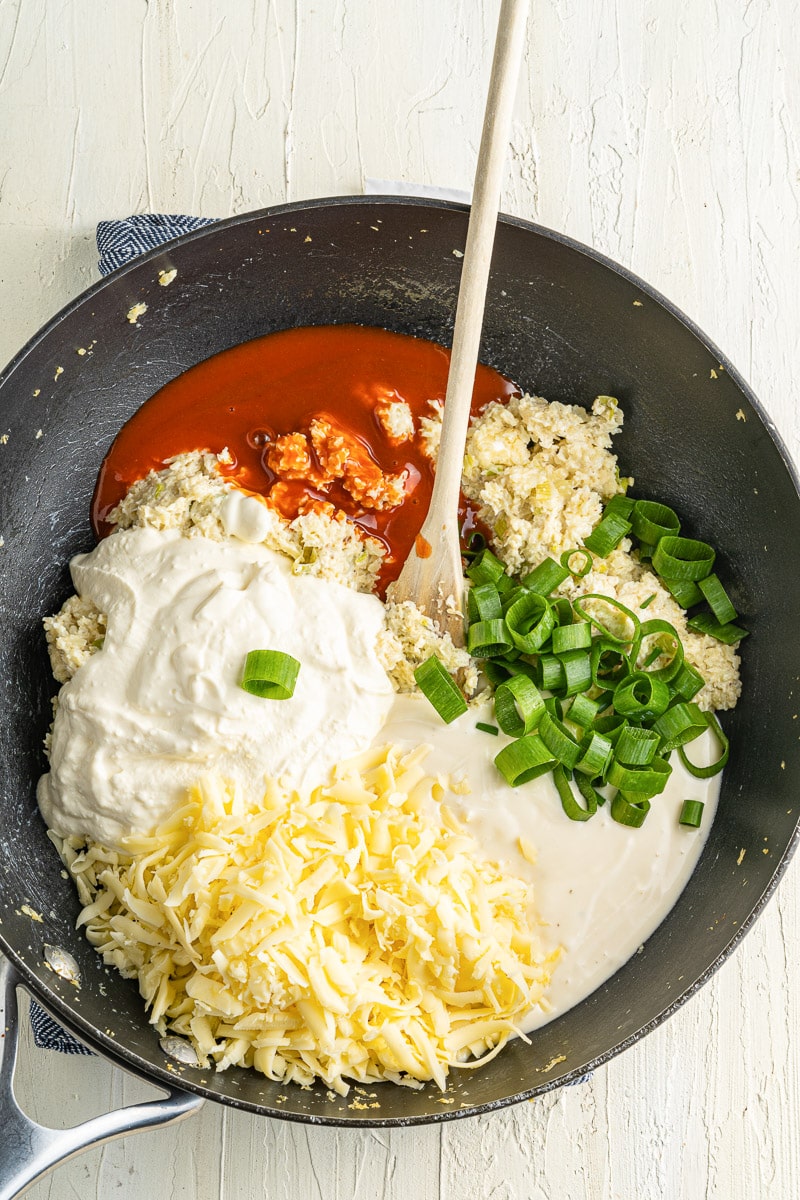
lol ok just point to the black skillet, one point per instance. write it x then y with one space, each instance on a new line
563 322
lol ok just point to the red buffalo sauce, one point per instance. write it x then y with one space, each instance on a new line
303 415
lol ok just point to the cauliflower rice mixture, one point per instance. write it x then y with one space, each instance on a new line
538 474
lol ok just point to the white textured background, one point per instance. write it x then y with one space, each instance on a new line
666 134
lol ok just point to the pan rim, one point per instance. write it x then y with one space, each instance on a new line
130 1061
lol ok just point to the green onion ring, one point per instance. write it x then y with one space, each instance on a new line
681 723
577 671
683 558
485 728
488 639
485 567
608 534
530 621
440 689
651 521
580 607
583 570
583 711
687 683
571 807
685 591
646 781
691 813
655 627
636 747
518 706
545 578
641 696
596 751
718 599
631 811
715 767
523 760
559 741
577 636
483 603
706 623
270 674
621 505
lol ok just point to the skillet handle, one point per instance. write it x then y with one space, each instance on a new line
30 1150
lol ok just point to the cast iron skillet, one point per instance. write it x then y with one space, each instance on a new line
563 322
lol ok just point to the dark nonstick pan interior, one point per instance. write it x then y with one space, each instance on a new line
563 323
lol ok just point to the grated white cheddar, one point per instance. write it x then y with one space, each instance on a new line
351 934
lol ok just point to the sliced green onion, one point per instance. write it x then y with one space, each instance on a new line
636 747
572 637
687 683
488 639
629 810
485 568
530 621
646 549
685 591
596 751
715 767
518 706
620 506
577 667
608 534
475 543
583 711
525 759
562 610
487 728
608 663
496 670
270 674
691 813
611 727
706 623
680 724
646 603
683 558
585 567
551 673
559 741
656 628
554 707
571 807
644 782
650 521
483 603
505 586
440 689
545 578
718 599
641 696
587 791
594 600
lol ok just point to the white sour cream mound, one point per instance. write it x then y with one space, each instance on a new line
161 704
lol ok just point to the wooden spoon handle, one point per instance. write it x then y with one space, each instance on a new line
477 260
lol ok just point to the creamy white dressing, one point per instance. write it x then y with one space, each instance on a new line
600 887
161 703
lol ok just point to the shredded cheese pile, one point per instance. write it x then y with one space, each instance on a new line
352 934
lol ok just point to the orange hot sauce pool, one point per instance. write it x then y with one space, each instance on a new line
246 398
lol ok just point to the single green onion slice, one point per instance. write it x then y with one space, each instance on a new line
270 674
577 668
636 747
482 725
559 741
584 568
440 689
586 789
643 782
483 603
627 624
608 534
718 599
545 578
554 707
629 810
681 723
530 621
683 558
562 610
685 591
485 568
551 673
641 696
687 683
505 586
574 810
572 637
620 506
646 603
609 665
611 727
488 639
707 623
583 711
691 813
518 706
523 760
660 630
596 751
475 543
650 521
715 767
646 549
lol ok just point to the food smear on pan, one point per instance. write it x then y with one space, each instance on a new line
329 843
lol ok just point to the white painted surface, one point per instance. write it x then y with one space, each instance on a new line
664 133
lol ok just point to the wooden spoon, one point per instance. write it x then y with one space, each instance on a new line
432 575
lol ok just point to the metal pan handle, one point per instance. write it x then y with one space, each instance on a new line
30 1150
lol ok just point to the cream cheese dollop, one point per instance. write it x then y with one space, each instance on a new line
161 702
